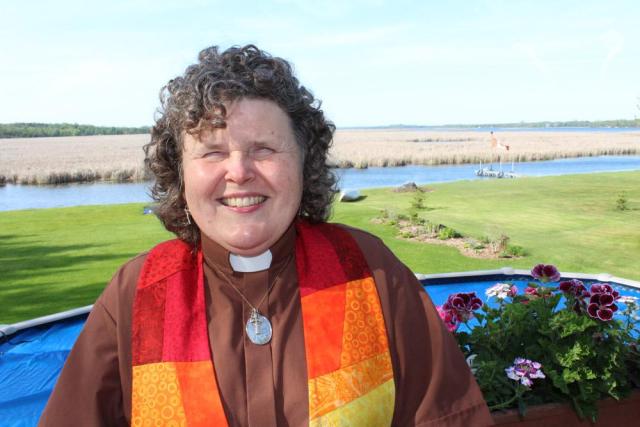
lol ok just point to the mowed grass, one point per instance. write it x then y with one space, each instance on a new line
570 221
57 259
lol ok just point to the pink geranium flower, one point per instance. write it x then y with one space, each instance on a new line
574 287
602 302
545 273
462 305
448 318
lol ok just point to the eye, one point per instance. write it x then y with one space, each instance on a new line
215 154
262 152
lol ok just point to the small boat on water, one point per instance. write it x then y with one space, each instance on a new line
492 173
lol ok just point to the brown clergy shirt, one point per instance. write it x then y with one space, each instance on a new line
267 385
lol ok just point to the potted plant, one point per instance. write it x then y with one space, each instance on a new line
563 343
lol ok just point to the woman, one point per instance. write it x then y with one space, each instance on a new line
260 313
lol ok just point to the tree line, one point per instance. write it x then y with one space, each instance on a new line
34 130
616 123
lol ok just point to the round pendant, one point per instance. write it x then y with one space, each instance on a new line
258 328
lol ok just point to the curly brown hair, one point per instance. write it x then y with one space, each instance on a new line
196 101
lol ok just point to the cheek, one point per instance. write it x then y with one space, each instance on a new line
199 182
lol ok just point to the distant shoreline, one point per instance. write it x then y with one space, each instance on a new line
495 129
40 130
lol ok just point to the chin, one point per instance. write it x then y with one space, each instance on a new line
248 250
249 245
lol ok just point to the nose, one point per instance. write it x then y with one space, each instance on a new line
239 167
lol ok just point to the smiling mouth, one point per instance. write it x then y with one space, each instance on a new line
242 202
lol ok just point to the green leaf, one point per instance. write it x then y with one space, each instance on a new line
558 381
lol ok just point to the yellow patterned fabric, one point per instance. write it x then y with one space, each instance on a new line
333 390
364 331
158 394
373 409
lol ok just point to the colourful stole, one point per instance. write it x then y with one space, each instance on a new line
350 377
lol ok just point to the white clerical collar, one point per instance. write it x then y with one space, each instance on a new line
243 264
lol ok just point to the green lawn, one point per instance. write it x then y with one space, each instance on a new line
57 259
570 221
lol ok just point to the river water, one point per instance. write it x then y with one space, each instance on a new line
13 197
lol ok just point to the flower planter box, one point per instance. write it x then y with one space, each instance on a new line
562 337
610 413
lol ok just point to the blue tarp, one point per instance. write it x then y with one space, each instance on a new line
30 362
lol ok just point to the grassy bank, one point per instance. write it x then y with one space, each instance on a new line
56 259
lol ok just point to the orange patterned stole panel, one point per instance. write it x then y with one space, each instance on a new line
349 368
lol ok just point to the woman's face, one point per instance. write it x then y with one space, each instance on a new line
243 183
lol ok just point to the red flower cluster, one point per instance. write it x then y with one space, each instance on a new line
530 290
545 273
602 302
575 290
534 292
462 305
448 318
574 287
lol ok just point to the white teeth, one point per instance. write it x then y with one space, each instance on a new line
241 202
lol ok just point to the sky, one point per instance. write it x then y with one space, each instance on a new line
370 62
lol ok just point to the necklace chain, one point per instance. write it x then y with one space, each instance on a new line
235 288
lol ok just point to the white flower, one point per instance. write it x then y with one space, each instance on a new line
524 370
501 291
628 299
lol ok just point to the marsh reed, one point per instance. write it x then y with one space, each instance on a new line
120 157
362 148
60 160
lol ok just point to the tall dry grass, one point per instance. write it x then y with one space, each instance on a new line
120 157
72 159
397 147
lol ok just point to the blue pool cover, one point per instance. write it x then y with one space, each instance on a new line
30 362
31 359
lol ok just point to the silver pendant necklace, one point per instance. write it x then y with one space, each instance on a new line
258 327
